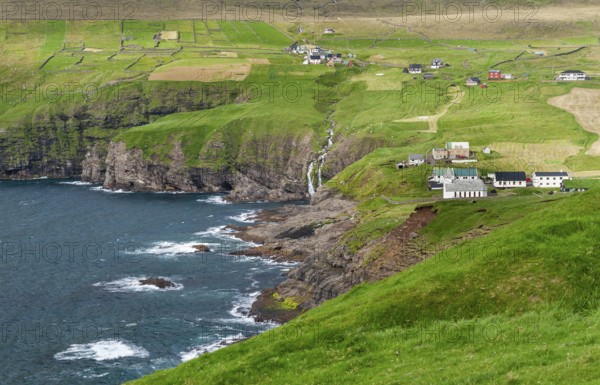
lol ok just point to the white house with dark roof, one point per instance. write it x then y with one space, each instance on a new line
416 159
415 68
509 179
464 188
571 75
552 179
471 82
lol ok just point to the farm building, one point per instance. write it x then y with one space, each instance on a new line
436 63
494 74
440 174
473 82
508 179
458 149
549 179
415 68
572 75
571 185
416 159
453 150
464 188
314 59
428 76
439 153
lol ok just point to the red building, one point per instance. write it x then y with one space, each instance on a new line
494 74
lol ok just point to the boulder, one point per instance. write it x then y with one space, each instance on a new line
161 283
201 248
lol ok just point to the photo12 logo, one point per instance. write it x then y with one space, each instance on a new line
24 11
469 12
68 252
270 11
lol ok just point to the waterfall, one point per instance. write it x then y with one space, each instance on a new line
311 187
320 161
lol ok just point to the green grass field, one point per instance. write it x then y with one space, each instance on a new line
518 305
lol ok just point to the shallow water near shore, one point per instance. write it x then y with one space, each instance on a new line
72 255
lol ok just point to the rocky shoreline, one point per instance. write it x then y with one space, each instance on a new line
310 236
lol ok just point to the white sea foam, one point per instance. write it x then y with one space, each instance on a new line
106 190
173 248
103 350
242 306
77 183
215 200
210 347
245 217
132 284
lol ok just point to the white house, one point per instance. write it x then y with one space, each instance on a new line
486 150
314 59
436 63
416 159
572 75
464 188
415 68
552 179
509 179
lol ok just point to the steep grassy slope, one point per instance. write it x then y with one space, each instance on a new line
519 305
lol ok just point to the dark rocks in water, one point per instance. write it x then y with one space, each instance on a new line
161 283
201 248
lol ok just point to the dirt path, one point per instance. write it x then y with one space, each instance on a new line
584 105
433 119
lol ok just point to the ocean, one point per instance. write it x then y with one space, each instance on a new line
72 309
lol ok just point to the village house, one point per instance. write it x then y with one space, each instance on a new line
494 74
328 30
415 68
473 82
314 59
553 179
416 159
509 179
457 150
464 188
486 150
436 63
439 153
507 76
571 75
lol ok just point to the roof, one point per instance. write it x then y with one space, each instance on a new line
474 80
458 172
315 57
457 145
416 157
415 66
493 71
551 173
511 176
465 185
572 72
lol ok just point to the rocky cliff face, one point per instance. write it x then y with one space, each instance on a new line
276 176
53 139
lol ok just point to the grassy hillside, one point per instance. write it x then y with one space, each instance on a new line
516 306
